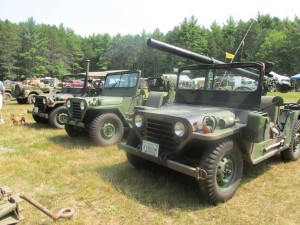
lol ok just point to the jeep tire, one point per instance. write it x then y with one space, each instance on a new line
30 98
18 90
39 119
8 96
293 152
21 100
57 116
137 162
224 167
106 129
73 131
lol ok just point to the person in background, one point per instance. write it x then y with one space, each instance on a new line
2 99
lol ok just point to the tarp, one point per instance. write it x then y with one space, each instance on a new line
296 77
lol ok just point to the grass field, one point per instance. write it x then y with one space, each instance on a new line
104 188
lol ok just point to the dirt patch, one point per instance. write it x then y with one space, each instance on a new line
4 150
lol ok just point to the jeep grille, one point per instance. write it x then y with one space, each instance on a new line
76 111
161 133
39 103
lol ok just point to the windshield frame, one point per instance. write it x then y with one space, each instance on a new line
236 99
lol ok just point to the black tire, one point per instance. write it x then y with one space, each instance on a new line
106 129
293 152
224 167
18 90
39 119
56 117
74 131
30 98
137 162
8 96
21 100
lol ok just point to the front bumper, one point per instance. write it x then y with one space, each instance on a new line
195 172
43 115
74 123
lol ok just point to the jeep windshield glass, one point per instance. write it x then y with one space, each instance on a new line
121 80
221 79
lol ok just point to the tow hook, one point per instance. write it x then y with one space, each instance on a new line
10 208
63 213
202 174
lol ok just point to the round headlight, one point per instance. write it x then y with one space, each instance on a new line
69 103
82 105
180 129
139 120
44 101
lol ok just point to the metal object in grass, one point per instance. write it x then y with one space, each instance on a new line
10 209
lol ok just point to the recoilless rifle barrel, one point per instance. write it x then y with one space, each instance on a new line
181 52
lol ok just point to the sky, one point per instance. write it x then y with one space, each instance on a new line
88 17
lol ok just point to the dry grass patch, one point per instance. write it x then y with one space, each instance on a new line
103 188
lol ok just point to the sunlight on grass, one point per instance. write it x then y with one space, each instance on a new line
104 188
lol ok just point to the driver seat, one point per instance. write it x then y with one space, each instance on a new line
272 110
155 99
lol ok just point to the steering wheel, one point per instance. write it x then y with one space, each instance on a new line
243 88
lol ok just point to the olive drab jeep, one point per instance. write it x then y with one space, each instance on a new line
103 117
25 91
219 119
51 107
9 85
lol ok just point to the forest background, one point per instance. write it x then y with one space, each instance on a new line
30 49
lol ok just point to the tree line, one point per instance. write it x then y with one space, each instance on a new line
30 49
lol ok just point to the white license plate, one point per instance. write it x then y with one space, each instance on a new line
150 148
36 109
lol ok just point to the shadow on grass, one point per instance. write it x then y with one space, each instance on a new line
156 187
251 172
38 126
82 142
165 189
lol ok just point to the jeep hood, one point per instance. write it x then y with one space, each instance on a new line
192 113
106 100
58 96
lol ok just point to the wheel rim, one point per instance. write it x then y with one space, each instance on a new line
296 144
108 130
61 117
226 171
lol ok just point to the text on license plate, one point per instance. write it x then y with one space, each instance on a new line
150 148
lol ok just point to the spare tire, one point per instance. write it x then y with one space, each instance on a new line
18 90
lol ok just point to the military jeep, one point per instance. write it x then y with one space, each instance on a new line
25 91
219 119
9 85
103 117
51 107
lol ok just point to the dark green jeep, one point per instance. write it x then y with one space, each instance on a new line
103 117
219 119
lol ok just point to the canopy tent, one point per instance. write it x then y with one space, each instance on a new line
296 77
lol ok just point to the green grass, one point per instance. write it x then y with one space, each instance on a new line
104 188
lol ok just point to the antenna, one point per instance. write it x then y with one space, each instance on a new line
242 42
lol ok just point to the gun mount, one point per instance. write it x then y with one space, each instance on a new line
269 84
